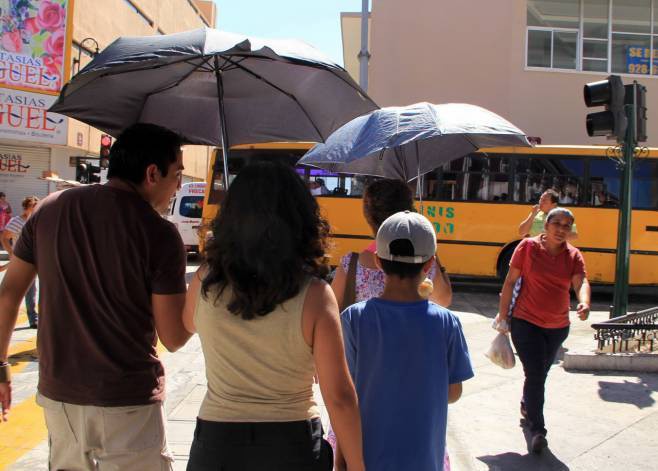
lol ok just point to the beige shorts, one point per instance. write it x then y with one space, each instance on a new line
106 438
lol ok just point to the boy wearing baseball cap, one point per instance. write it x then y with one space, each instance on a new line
407 355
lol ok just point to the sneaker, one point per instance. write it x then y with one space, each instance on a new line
33 326
538 443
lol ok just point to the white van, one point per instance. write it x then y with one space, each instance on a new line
185 212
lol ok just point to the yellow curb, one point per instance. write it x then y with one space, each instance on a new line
25 429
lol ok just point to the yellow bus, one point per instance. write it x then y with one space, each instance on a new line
477 202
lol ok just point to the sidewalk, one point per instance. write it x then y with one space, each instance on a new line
596 420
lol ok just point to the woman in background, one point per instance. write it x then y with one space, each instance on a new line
550 267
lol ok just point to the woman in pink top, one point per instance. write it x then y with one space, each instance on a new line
381 199
550 267
5 211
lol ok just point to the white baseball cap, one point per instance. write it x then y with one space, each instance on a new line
407 225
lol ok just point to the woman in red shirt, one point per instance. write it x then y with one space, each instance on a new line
550 266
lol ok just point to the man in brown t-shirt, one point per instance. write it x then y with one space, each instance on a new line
112 277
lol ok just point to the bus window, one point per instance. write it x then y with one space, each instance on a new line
645 184
533 176
604 183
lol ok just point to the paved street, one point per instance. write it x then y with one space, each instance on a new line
595 420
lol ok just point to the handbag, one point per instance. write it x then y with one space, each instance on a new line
349 296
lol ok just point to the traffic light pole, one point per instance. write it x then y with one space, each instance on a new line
620 302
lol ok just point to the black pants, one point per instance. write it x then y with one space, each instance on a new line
260 446
536 347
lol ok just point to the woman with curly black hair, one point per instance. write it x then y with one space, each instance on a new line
267 321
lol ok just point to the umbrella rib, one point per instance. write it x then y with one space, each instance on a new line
150 67
289 95
200 66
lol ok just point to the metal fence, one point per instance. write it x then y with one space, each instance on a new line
635 332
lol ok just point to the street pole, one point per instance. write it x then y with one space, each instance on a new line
620 302
364 55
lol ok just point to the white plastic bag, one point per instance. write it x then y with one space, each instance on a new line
500 352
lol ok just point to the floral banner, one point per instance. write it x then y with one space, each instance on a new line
34 45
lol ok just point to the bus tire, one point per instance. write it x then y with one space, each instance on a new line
504 259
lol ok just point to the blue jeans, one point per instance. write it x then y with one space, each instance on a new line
31 303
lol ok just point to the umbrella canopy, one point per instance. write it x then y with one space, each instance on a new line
215 88
404 142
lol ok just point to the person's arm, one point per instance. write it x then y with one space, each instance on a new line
506 294
583 293
339 283
15 284
168 315
6 241
526 225
454 392
335 381
191 299
442 293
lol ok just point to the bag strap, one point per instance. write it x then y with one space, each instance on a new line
349 296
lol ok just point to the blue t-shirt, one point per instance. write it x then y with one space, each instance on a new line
402 357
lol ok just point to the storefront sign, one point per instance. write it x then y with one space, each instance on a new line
23 117
35 45
637 60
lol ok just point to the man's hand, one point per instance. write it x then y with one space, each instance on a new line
583 311
5 401
535 209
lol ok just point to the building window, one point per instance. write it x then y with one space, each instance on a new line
609 36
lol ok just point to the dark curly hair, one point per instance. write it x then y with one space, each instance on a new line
267 238
383 198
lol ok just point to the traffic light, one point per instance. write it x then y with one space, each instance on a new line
93 173
640 108
612 122
106 144
81 172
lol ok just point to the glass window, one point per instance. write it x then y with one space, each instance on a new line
631 16
654 67
539 48
595 65
449 181
565 45
535 175
554 13
645 184
630 53
604 183
595 19
487 179
191 206
593 49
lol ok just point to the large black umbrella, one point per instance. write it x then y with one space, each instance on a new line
215 88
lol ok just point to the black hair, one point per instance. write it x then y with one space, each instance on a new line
268 238
555 197
383 198
139 146
402 247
